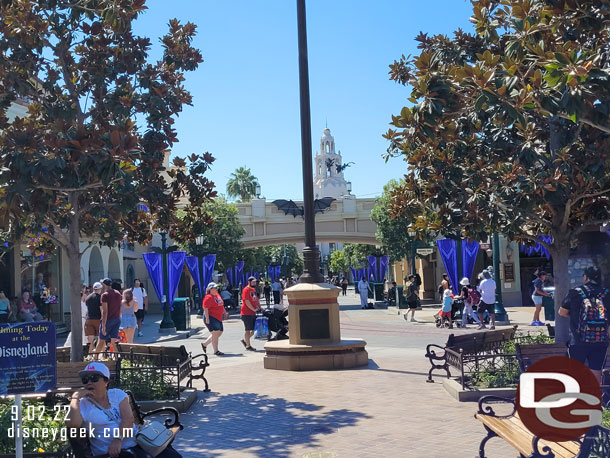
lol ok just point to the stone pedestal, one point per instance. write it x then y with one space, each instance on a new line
315 333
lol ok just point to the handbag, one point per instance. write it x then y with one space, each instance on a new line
261 327
154 437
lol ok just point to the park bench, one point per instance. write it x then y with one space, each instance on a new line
173 361
81 449
466 351
529 354
68 379
510 428
63 353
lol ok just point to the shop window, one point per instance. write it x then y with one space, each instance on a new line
41 276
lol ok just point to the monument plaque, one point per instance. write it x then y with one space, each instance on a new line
315 324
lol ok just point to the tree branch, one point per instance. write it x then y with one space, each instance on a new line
589 122
81 188
582 227
537 240
56 240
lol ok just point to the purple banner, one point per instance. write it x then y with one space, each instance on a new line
469 257
361 273
192 262
372 260
208 269
154 266
383 266
354 276
229 277
257 275
448 251
175 264
278 270
538 248
239 273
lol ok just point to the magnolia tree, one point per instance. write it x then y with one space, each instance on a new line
508 128
99 122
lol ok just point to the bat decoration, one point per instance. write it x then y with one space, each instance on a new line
329 164
290 208
341 167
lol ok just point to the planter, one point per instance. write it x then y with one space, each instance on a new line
65 452
186 400
454 388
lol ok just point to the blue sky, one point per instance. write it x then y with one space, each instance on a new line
246 95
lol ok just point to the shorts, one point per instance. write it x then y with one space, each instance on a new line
128 321
445 314
248 321
537 299
92 327
592 355
214 325
140 314
112 329
483 306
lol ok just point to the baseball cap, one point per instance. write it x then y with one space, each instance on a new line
95 368
212 285
251 278
490 268
97 285
107 281
541 273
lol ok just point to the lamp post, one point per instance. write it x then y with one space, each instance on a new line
349 188
257 191
199 240
499 307
412 237
167 324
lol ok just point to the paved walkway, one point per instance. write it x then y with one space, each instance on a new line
386 409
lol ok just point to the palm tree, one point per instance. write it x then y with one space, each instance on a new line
242 184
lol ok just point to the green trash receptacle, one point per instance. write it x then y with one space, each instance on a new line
402 300
549 308
182 313
378 289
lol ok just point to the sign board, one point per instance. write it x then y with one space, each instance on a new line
509 272
27 358
485 246
424 251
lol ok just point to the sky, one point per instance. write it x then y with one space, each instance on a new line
246 94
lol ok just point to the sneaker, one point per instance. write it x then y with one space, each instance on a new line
412 320
481 326
537 323
493 326
140 334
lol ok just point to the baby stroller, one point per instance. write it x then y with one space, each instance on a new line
456 315
277 323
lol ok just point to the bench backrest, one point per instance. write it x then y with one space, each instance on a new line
529 354
480 341
165 356
67 374
63 353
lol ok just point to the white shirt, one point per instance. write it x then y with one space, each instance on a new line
488 291
363 285
139 294
103 425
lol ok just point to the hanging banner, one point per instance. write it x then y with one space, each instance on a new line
239 273
175 264
154 266
270 272
354 275
208 269
372 260
27 357
257 275
447 249
383 266
192 262
229 276
538 248
361 273
469 257
278 270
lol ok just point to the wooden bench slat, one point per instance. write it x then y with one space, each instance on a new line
561 449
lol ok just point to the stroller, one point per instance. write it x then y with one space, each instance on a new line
277 323
456 315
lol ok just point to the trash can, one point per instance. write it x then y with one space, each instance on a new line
378 289
181 315
549 308
402 300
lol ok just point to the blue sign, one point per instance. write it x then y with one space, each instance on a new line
27 358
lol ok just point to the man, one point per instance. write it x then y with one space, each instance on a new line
588 308
250 304
363 289
94 315
110 321
139 294
537 296
276 287
487 288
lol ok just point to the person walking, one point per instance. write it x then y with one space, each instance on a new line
250 305
537 296
446 309
94 314
276 287
411 293
139 294
111 315
363 289
213 314
129 307
587 307
487 288
344 286
267 293
471 298
27 308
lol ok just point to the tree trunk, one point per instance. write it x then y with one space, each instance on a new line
561 253
73 253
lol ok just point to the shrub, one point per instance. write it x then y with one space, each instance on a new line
146 381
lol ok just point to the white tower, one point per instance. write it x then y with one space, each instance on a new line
327 182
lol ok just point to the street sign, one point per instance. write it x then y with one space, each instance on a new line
424 251
485 246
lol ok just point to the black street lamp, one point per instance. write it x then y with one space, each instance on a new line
167 324
199 241
412 243
311 253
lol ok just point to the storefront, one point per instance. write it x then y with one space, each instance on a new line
41 276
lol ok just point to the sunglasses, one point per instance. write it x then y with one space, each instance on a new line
94 378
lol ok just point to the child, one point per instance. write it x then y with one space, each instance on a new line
446 310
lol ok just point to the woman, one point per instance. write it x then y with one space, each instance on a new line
129 307
108 415
5 308
344 286
470 298
213 314
27 308
411 292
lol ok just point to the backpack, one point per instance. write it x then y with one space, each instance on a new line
440 289
474 297
592 321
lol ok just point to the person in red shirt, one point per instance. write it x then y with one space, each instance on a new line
249 305
213 314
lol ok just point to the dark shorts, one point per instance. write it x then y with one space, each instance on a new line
140 314
592 355
214 325
92 327
248 322
112 329
483 306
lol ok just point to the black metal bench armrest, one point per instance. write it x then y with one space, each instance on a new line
490 399
203 363
431 354
80 447
169 422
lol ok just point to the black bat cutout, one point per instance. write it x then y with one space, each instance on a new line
329 164
290 208
341 167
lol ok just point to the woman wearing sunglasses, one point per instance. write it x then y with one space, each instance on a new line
107 412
